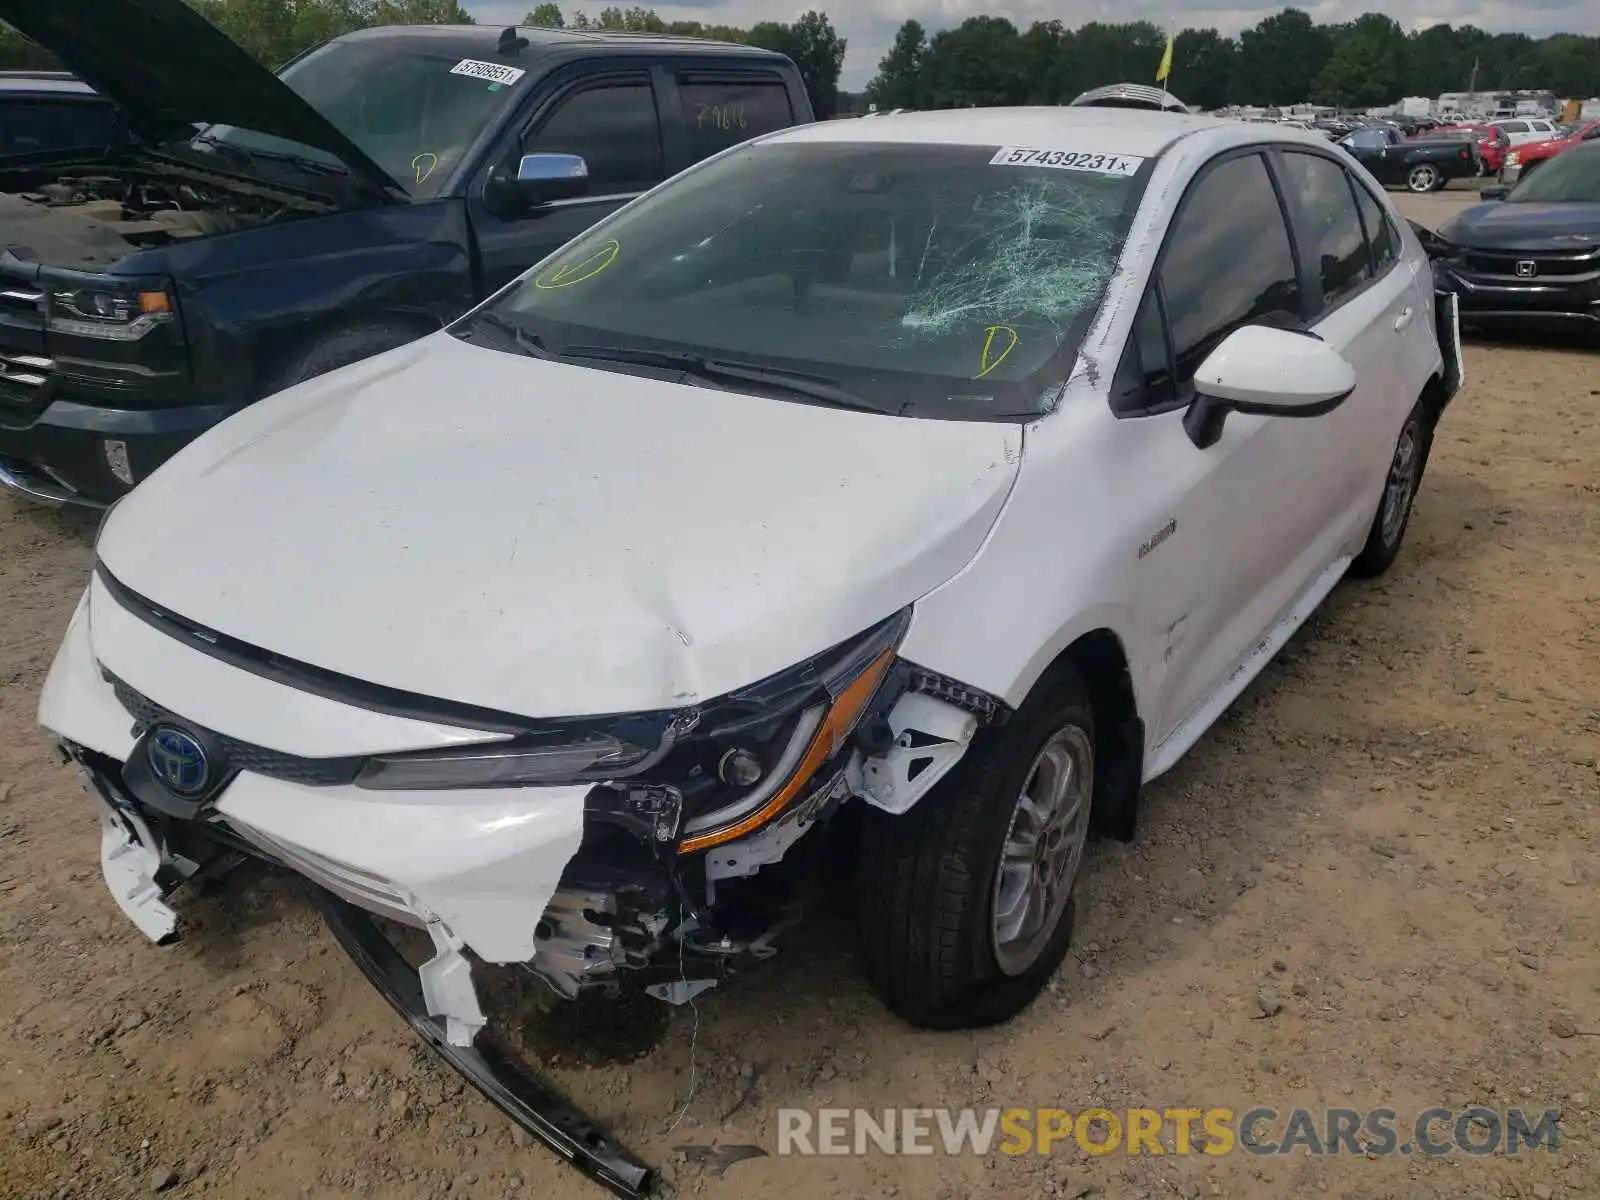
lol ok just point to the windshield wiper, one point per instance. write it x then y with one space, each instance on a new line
246 154
520 339
717 370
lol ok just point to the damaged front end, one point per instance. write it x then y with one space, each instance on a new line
701 835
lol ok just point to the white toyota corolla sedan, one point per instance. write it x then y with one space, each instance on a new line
879 501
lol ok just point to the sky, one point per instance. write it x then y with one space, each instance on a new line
869 25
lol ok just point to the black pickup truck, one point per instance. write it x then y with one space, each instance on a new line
246 231
1419 164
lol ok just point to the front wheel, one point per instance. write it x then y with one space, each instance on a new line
966 902
1424 177
1400 485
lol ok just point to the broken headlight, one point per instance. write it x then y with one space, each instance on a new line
581 754
737 761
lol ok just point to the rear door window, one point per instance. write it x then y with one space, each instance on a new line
1515 126
724 112
1333 236
1381 235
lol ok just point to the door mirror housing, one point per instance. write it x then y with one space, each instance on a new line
1269 372
1498 192
542 178
538 179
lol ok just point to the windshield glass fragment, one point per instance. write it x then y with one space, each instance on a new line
929 280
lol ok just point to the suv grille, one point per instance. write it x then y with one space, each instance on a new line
1566 265
291 768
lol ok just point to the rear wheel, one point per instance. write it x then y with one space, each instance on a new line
1399 495
967 901
1424 177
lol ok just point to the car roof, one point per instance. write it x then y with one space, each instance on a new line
44 83
484 40
1135 131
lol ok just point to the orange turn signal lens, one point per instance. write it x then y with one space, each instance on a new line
155 302
825 743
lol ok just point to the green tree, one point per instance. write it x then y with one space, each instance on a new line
898 83
1204 64
1367 66
546 16
1280 59
977 63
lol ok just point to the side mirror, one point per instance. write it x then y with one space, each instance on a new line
1269 372
539 179
1498 192
545 177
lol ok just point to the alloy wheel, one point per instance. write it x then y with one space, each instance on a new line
1401 485
1043 850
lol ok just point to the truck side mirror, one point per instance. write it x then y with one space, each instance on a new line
542 178
539 179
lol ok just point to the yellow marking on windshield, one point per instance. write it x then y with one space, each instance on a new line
989 359
587 268
424 164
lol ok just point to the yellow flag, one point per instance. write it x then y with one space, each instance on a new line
1165 68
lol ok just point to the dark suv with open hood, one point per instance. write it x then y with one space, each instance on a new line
246 231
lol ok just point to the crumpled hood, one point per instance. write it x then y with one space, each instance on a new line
1499 225
553 540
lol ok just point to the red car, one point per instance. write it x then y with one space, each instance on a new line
1493 145
1526 157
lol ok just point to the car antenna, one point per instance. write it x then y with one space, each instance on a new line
511 42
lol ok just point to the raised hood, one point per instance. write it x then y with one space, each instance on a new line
550 540
168 68
1500 225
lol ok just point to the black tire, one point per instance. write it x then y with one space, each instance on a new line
1393 517
928 884
343 348
1424 177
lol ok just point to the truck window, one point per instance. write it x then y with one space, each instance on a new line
30 125
614 127
723 113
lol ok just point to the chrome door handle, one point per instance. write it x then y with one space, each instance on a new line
1402 321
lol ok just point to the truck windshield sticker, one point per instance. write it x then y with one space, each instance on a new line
423 165
1067 160
491 73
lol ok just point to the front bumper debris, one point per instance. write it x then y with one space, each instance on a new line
141 875
534 1106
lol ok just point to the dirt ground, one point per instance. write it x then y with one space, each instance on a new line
1392 833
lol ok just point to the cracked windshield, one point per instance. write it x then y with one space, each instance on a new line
944 281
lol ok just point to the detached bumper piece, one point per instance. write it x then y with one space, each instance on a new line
537 1108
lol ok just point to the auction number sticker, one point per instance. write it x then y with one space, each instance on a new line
1067 160
487 71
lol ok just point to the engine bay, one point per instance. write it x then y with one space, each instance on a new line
92 217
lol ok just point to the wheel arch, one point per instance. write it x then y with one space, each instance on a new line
297 345
1100 660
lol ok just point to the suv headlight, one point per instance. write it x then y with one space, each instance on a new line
738 761
1513 159
104 313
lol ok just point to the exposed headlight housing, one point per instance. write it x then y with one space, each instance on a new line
736 762
104 313
604 750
